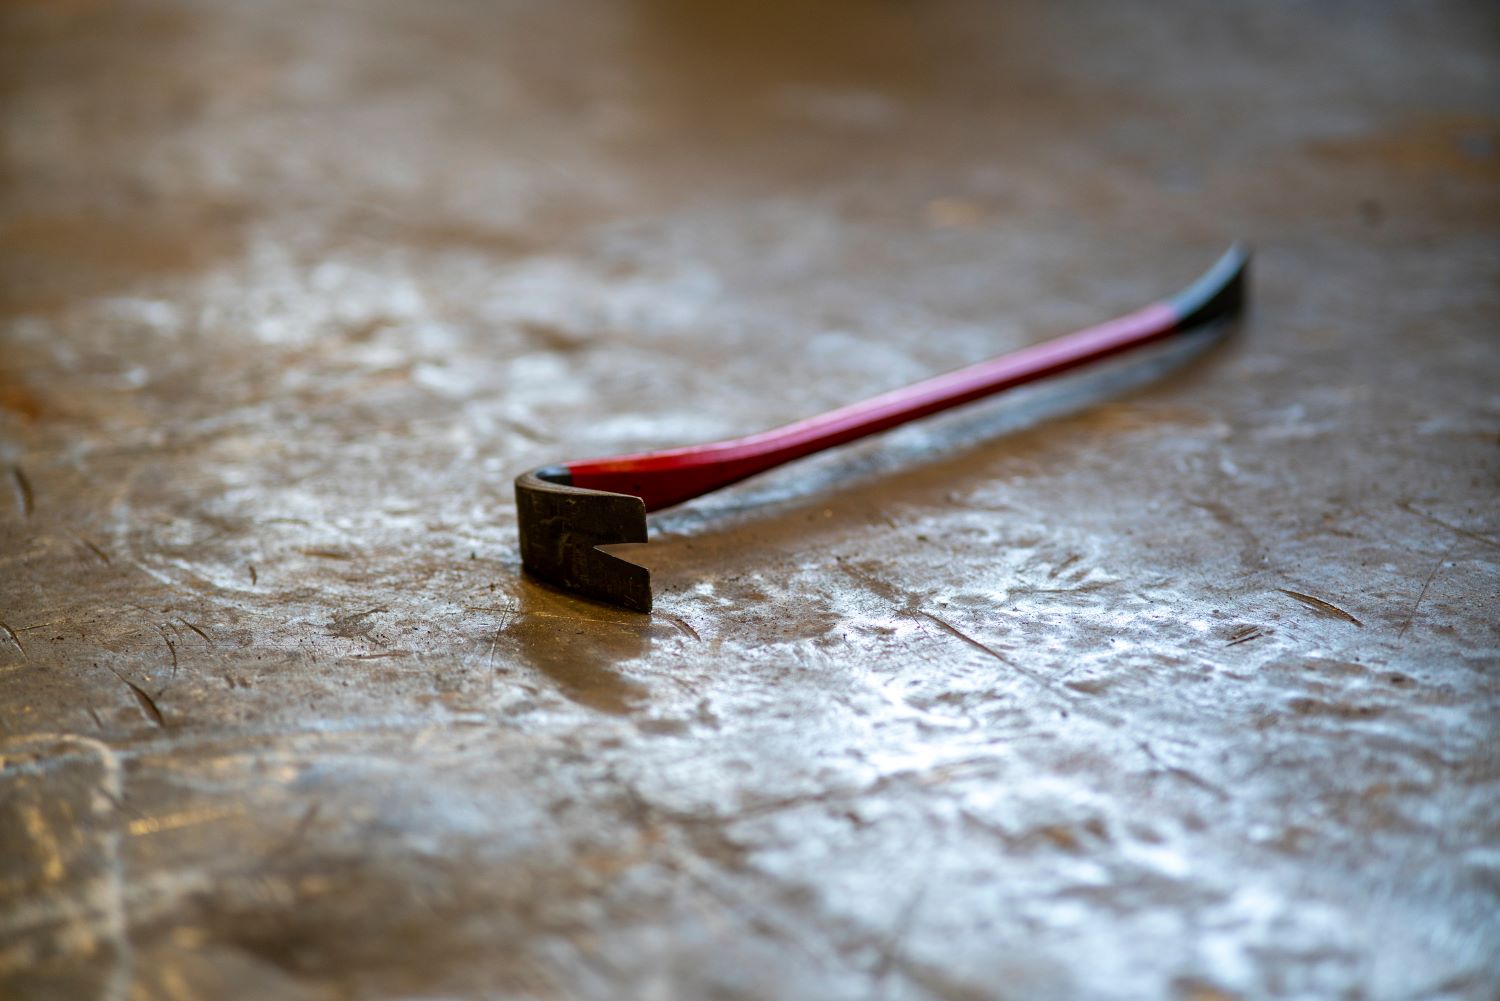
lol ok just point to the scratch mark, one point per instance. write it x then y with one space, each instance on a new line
682 625
170 646
97 721
1322 607
185 818
95 549
1064 565
16 640
510 612
197 630
489 664
1183 773
875 584
954 630
379 656
304 824
1067 698
516 612
1084 588
1252 552
1403 505
24 496
39 625
354 624
489 658
327 554
1422 595
1038 678
1245 634
252 573
146 702
526 430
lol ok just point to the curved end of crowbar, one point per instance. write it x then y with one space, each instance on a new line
1219 294
561 525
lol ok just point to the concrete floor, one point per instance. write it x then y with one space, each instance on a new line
1181 686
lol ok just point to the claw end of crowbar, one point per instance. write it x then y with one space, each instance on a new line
560 527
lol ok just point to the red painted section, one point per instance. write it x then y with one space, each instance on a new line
669 477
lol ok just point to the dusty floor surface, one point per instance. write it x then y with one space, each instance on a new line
1122 689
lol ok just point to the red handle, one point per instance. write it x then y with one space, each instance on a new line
678 474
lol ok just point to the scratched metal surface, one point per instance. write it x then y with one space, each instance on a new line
1184 689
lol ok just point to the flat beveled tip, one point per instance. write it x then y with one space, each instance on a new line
560 526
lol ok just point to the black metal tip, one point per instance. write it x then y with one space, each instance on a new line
560 527
1219 294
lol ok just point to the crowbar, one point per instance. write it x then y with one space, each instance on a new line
565 512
